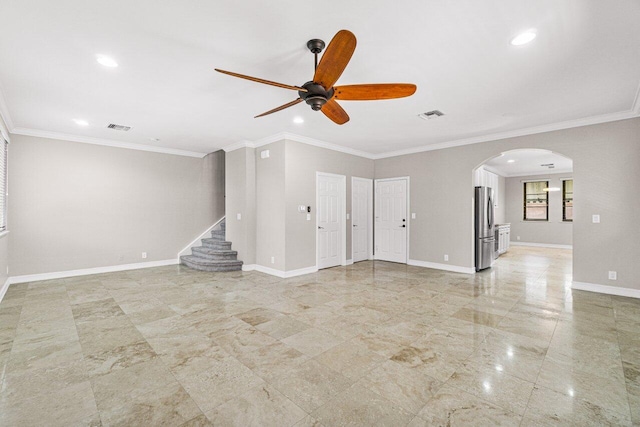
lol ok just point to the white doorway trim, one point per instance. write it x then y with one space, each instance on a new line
369 215
342 210
408 179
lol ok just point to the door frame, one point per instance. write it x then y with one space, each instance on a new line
408 179
342 215
370 215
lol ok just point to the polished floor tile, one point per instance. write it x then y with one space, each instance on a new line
374 343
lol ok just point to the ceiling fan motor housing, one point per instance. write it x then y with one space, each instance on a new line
316 95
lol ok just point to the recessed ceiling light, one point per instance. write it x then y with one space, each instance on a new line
298 120
510 161
106 61
81 122
523 38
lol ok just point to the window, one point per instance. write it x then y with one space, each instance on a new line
3 184
536 201
567 200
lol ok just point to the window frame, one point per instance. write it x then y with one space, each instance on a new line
564 200
524 203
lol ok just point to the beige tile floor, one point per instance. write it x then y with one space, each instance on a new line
370 344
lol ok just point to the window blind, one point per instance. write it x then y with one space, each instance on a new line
3 184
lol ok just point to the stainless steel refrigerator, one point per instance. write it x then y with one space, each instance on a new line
484 228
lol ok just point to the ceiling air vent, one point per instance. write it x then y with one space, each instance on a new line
119 127
548 165
431 115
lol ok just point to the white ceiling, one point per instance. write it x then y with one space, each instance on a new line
583 67
529 162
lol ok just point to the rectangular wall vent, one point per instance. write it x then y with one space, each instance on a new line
431 114
119 127
548 165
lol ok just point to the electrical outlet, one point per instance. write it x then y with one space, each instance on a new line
238 217
517 237
121 258
308 217
144 255
613 275
273 260
595 219
413 215
446 257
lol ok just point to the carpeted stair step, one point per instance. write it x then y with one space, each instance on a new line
218 234
216 244
210 265
214 254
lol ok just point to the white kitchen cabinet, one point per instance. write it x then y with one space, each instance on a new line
484 178
503 238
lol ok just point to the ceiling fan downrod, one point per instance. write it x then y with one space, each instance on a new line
315 46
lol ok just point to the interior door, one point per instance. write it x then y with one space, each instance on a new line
329 224
391 220
361 217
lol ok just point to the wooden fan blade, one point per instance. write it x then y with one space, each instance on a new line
335 59
282 107
267 82
369 92
335 112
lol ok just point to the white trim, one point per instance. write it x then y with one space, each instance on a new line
541 245
606 289
438 266
280 273
593 120
342 214
349 262
4 233
193 243
370 216
297 138
636 103
105 142
248 267
4 289
87 271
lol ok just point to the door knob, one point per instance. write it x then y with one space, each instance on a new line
354 225
320 228
402 226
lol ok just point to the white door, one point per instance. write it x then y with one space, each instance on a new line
361 218
330 220
391 220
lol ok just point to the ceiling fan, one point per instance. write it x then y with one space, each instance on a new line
321 94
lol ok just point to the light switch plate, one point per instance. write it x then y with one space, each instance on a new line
348 216
413 215
238 217
613 275
595 219
308 217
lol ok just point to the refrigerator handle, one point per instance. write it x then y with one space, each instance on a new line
490 212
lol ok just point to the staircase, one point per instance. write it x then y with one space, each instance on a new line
215 254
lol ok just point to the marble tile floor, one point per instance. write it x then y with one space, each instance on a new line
374 343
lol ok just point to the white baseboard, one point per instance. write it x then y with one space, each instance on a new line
87 271
195 242
280 273
248 267
4 289
606 289
349 262
438 266
542 245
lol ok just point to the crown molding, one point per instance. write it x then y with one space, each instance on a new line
105 142
593 120
280 136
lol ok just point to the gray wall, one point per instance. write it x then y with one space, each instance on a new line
606 170
76 206
302 163
241 199
270 206
555 231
